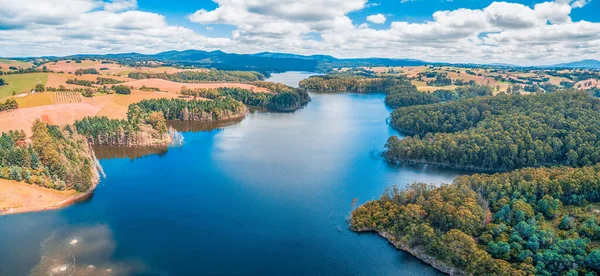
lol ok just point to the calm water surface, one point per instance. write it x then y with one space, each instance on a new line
270 195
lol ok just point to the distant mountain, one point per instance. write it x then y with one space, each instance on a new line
265 62
588 64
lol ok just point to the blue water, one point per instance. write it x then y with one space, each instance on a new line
268 196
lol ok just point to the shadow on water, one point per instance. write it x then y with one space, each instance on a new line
195 126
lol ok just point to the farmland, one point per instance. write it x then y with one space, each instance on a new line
20 83
5 64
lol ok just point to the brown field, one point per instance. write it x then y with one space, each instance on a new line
63 66
59 114
113 106
175 87
17 197
55 80
585 84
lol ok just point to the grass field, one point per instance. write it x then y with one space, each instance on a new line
5 64
20 83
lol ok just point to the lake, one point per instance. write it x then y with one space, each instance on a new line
270 195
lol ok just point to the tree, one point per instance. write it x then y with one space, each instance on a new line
40 87
122 89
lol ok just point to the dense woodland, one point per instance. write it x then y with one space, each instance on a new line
189 110
57 158
202 76
407 95
500 133
286 100
541 221
343 83
144 130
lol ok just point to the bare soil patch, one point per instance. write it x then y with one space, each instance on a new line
18 197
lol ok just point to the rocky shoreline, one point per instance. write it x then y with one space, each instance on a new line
418 253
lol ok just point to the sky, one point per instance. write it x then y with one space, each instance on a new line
524 32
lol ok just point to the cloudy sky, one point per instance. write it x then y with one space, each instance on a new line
523 32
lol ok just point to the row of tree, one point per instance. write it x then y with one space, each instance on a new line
538 221
202 76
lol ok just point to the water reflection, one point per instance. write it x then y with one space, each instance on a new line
132 153
195 126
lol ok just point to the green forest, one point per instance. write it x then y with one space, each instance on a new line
500 133
344 83
542 221
403 95
57 158
189 110
202 76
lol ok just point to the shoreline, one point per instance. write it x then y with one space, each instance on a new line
29 193
70 200
416 252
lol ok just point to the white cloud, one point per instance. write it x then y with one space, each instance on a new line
120 5
377 18
500 32
44 27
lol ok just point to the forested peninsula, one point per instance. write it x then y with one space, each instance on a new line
54 157
281 99
500 133
399 91
541 221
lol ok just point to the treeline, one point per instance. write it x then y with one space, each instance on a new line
8 105
145 129
80 82
535 221
336 83
16 71
408 95
56 158
91 71
282 99
500 133
202 76
190 110
104 81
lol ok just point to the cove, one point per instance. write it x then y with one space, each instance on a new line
269 195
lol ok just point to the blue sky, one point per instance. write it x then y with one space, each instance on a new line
517 31
176 11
